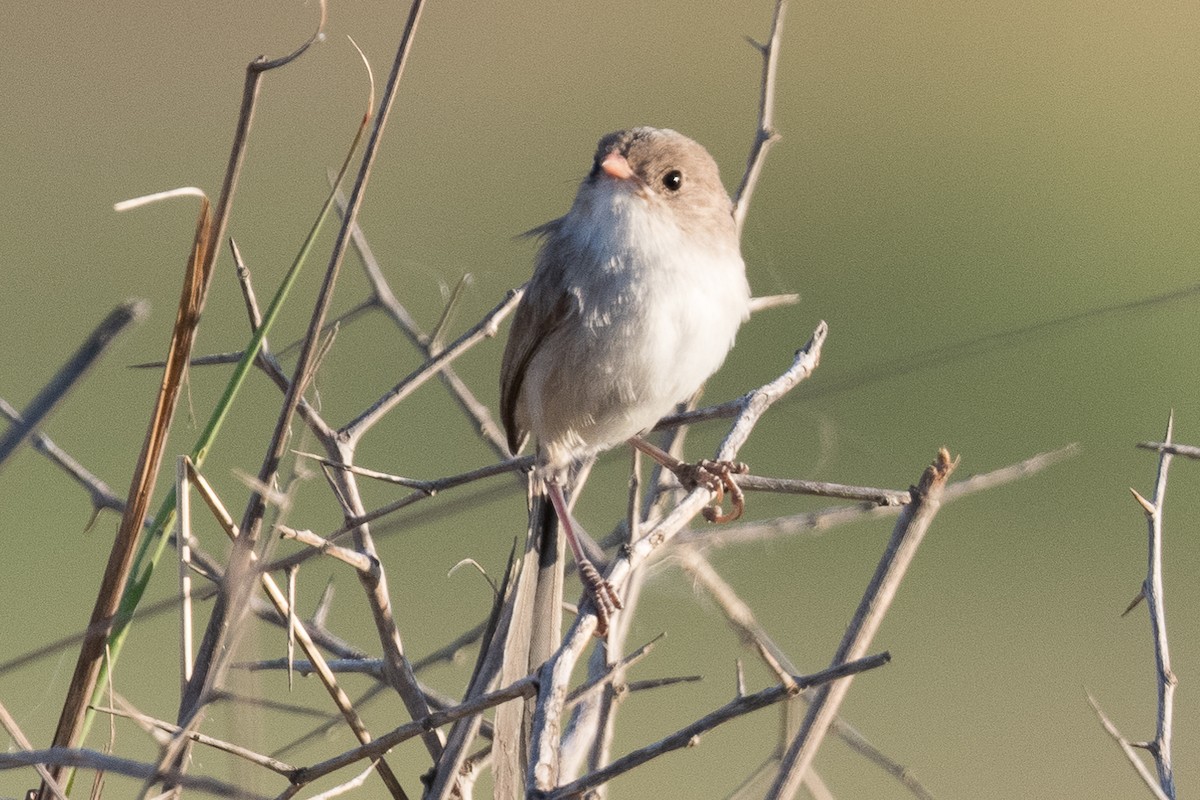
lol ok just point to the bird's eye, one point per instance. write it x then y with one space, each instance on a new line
673 180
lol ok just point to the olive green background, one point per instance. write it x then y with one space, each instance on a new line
970 194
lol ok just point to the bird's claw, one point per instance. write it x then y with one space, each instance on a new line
604 596
717 477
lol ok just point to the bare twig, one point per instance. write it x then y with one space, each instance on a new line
1165 680
881 497
317 660
1129 750
906 538
14 730
94 346
772 301
61 757
817 522
101 495
484 329
383 297
525 687
689 735
183 536
354 783
766 135
1152 592
427 487
359 561
267 762
1185 450
741 618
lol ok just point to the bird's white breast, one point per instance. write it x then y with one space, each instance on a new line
657 312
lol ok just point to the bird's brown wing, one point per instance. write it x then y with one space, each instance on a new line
544 307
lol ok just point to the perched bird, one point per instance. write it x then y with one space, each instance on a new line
636 297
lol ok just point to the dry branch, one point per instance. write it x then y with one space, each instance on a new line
62 757
906 538
1151 591
688 736
94 346
284 609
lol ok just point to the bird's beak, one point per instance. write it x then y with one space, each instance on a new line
615 166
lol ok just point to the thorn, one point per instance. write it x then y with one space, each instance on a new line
324 605
756 44
1139 597
1147 506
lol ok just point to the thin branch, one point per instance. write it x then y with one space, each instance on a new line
183 537
1152 591
267 762
1185 450
70 373
741 618
880 497
14 730
524 687
817 522
354 783
765 135
383 297
427 487
688 736
101 495
360 561
265 359
770 301
424 489
486 328
277 598
906 538
80 758
1129 750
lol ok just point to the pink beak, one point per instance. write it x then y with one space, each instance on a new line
615 165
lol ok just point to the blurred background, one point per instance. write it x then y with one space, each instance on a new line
993 206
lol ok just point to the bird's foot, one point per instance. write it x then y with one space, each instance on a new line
603 595
717 477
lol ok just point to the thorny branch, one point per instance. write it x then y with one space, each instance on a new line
1151 591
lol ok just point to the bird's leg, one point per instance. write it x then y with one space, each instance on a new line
604 596
716 476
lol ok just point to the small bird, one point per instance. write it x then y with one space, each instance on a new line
636 297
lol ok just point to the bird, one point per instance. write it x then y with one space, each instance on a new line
636 298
